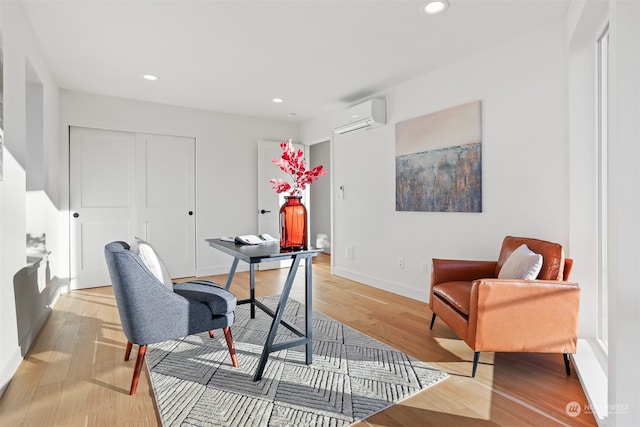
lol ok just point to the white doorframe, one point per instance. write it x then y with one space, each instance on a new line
332 194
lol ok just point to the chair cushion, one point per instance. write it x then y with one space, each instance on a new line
153 261
552 256
456 294
521 264
219 300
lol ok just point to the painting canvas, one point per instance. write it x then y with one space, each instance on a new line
1 108
439 161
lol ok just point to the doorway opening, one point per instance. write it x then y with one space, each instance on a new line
320 198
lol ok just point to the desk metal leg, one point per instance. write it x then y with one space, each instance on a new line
308 303
252 288
277 318
231 273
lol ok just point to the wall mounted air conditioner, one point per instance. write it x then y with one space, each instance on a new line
367 115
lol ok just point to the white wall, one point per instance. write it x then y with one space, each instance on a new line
522 85
624 214
610 382
20 48
226 159
585 23
583 140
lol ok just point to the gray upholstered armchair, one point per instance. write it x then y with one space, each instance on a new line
151 312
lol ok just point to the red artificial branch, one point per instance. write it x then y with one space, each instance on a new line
293 164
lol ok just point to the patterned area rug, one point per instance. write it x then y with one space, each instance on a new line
352 376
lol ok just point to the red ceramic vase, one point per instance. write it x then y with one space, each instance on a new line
293 224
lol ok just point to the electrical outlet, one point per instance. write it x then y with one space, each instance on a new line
401 263
424 267
349 253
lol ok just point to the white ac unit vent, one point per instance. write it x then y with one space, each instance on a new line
367 115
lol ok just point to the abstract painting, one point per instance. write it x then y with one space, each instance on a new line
1 108
439 161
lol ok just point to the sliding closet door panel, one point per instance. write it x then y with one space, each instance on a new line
166 207
125 185
101 199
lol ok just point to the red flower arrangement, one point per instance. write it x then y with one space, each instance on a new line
293 163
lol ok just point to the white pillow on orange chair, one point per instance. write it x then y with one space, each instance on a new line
521 264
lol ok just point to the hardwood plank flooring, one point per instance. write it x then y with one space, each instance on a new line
75 375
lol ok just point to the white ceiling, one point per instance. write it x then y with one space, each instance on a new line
236 56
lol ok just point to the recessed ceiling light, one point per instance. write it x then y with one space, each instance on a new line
433 7
150 77
278 100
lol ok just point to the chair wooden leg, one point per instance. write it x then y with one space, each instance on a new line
211 334
142 350
566 363
232 346
127 351
476 358
433 320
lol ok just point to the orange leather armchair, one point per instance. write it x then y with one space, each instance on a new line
509 315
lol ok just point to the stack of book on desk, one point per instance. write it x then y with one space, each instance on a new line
251 239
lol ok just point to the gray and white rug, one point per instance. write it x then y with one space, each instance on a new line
352 376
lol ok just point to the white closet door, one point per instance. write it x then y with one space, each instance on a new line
165 202
101 199
123 185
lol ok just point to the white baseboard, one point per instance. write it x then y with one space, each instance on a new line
590 363
9 369
385 285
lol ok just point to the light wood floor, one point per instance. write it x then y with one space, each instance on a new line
75 375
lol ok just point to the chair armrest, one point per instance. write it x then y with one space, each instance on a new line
450 270
219 300
149 312
524 315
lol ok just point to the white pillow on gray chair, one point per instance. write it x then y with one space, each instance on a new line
153 262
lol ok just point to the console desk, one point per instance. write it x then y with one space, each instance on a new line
269 252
